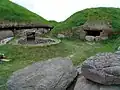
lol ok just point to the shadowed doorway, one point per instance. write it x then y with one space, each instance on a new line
93 32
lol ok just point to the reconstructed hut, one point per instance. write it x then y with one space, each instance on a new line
99 30
20 29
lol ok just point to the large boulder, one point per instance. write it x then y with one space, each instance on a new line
104 68
54 74
81 83
84 84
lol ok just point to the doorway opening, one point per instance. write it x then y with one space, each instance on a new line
93 32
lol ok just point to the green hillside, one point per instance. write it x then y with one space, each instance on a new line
101 13
10 11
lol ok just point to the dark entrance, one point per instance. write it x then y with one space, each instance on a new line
30 36
93 32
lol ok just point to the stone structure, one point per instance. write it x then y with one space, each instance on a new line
97 28
8 29
38 31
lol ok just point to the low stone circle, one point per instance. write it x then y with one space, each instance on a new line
37 42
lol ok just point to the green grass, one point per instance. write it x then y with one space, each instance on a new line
79 18
21 56
10 11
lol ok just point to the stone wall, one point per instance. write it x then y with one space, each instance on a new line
5 34
79 31
82 35
39 32
104 35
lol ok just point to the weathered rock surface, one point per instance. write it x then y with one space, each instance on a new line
119 48
104 38
104 68
84 84
54 74
97 38
117 52
90 38
5 34
5 41
82 34
38 32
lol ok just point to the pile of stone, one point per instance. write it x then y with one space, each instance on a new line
99 72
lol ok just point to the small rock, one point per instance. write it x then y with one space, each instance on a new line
61 36
104 38
119 48
117 52
90 38
97 38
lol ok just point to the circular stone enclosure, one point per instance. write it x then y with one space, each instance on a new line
36 42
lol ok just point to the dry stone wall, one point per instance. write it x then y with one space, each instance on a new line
5 34
39 32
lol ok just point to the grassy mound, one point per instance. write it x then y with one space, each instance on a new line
101 13
10 11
